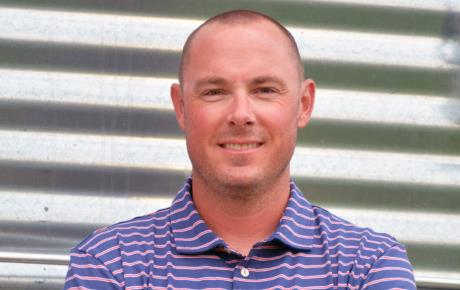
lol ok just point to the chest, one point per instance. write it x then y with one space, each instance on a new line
263 268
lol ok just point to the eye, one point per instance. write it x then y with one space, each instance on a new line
266 90
213 92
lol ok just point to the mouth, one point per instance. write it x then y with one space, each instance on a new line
241 146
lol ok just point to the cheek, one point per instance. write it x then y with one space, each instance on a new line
200 121
281 118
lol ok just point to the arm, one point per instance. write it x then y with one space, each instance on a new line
392 270
87 272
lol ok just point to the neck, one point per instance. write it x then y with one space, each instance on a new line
241 216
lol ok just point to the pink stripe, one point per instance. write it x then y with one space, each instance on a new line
335 238
101 242
299 214
319 246
324 233
322 224
192 213
119 271
88 266
169 275
198 222
152 234
335 221
375 270
300 205
294 266
348 286
399 249
186 193
116 247
195 237
130 264
116 259
311 287
123 228
137 243
383 280
150 286
151 217
292 255
148 218
378 249
303 277
83 255
283 288
186 256
303 266
92 278
191 268
285 277
168 243
394 259
202 246
181 208
144 253
306 255
141 235
148 235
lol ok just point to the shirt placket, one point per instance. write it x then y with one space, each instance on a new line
241 273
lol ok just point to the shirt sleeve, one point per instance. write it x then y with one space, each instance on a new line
87 272
392 270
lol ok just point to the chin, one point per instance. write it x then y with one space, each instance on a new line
241 180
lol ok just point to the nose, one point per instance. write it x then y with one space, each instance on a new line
241 112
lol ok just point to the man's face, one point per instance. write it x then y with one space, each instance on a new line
240 104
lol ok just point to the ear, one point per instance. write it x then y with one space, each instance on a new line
178 103
307 99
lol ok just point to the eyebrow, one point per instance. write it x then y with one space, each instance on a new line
210 81
256 81
268 79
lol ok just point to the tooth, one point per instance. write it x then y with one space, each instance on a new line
240 146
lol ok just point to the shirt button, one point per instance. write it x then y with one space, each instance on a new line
244 272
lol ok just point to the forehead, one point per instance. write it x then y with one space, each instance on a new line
225 34
223 46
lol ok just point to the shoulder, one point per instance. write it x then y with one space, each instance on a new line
366 258
347 234
106 240
372 258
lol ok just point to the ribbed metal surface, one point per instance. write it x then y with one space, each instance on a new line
88 136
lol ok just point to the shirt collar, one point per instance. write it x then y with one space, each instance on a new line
296 227
190 232
193 236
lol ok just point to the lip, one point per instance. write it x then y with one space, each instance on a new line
240 145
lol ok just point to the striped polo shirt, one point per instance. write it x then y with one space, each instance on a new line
173 248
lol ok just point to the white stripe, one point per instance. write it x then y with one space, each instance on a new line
408 227
376 166
170 34
434 5
153 93
91 209
171 154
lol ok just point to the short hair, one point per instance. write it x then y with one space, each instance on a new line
239 17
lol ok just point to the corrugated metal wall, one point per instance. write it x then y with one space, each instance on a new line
88 136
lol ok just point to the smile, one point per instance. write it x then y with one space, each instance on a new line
235 146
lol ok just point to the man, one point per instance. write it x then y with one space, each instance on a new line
239 221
